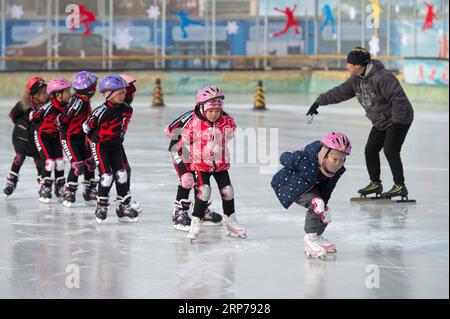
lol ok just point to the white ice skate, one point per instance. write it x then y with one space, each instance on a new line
312 246
195 229
329 247
232 227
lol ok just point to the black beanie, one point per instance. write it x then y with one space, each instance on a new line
358 56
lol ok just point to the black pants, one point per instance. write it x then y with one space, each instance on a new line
181 166
18 162
24 150
110 162
49 147
203 178
391 140
77 150
126 165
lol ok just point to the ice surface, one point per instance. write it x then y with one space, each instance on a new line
40 244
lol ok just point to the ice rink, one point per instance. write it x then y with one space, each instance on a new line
384 251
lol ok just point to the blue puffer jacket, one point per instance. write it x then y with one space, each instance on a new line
299 175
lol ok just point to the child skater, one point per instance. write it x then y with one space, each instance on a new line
206 136
32 99
129 97
308 178
73 138
47 138
179 155
106 128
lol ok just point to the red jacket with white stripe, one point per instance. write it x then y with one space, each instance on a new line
207 142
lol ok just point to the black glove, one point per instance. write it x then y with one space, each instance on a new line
313 109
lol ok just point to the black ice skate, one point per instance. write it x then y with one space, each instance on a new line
373 188
125 212
69 195
101 211
212 218
398 191
45 193
180 215
11 183
59 188
90 191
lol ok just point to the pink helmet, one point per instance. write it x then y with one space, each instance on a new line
57 84
209 93
128 78
337 141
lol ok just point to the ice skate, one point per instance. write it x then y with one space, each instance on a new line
101 211
194 229
373 188
125 211
313 249
232 227
11 183
69 195
212 218
180 217
329 247
59 188
45 193
90 191
398 191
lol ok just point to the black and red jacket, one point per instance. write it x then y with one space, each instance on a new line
45 118
174 130
75 114
108 124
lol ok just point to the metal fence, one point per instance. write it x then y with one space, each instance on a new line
216 34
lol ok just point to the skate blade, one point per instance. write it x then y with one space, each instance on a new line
44 200
99 221
192 238
67 204
128 220
181 228
235 235
208 223
367 199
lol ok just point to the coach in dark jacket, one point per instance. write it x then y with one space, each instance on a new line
386 105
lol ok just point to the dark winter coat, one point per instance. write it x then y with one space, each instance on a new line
380 94
23 133
299 175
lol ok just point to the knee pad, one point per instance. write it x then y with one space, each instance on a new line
60 164
50 165
78 168
106 180
90 164
187 181
121 176
204 193
227 192
319 208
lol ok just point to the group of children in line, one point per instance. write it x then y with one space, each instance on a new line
50 120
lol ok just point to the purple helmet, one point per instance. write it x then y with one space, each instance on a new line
84 80
337 141
112 82
209 93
